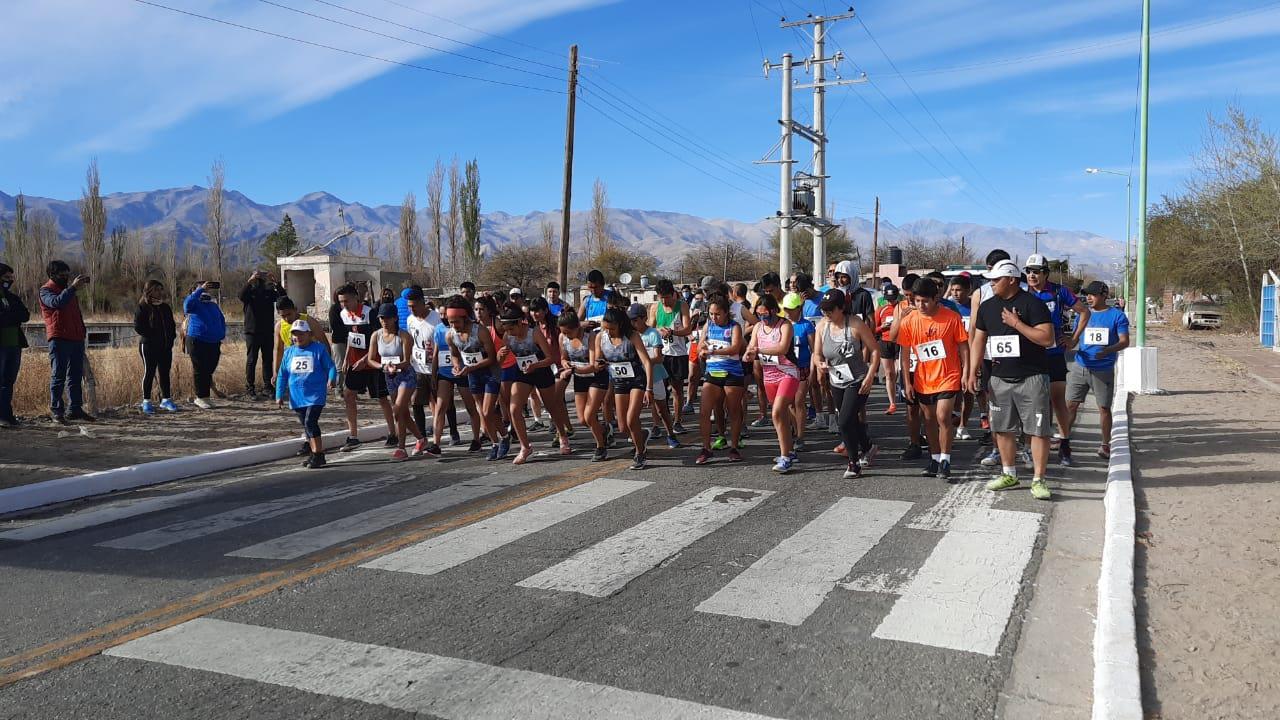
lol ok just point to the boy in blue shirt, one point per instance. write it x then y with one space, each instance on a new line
1106 333
802 331
308 372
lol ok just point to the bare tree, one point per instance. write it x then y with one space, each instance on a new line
455 218
410 237
93 237
599 222
435 222
550 238
215 224
469 204
134 260
523 266
727 259
29 241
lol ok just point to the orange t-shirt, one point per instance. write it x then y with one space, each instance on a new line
936 343
885 311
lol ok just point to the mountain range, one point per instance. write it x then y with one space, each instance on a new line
665 235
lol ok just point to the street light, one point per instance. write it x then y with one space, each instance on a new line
1128 220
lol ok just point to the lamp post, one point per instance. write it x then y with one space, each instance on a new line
1128 224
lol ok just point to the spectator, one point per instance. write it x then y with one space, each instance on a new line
259 299
206 329
12 340
554 304
468 290
153 321
64 329
388 297
402 306
338 332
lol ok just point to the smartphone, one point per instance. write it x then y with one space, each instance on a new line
212 285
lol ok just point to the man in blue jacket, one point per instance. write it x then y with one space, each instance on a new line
206 329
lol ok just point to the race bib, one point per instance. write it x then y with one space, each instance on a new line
1003 346
622 370
472 358
358 341
1096 336
717 344
931 351
583 366
421 364
390 360
768 359
445 359
912 361
841 374
301 365
1051 305
524 361
596 318
965 319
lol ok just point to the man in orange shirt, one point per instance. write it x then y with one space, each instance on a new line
937 338
888 348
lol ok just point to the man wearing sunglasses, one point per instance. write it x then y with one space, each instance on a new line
1057 298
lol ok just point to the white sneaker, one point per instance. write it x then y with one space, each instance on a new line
1024 457
962 433
992 459
204 404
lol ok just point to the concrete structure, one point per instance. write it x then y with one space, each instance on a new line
311 276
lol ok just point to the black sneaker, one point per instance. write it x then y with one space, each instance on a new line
455 439
81 415
1064 452
253 394
10 421
351 444
61 420
913 452
931 470
853 472
600 455
475 445
944 470
317 461
392 441
639 462
304 450
432 450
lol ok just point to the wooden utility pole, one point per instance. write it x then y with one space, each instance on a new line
563 265
875 241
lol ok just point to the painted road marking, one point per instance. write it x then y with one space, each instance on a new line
305 542
970 495
414 682
467 543
607 566
963 595
104 515
200 527
892 582
793 579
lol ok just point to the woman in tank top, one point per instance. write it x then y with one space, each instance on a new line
472 355
841 341
533 360
389 352
457 317
618 348
590 381
771 346
721 345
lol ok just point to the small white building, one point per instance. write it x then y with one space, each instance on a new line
311 276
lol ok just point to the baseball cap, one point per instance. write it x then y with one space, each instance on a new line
1097 287
793 301
831 299
1005 268
515 291
707 282
387 310
636 311
1036 261
891 291
300 326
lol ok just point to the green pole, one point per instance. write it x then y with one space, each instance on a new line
1140 292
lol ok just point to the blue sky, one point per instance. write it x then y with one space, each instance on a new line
1025 96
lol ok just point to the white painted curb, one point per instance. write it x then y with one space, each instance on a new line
1117 690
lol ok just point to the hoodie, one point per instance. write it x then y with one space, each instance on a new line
205 323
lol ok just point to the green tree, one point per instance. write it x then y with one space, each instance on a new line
839 247
281 242
469 204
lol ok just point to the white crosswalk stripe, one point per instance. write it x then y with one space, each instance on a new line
609 565
964 594
414 682
467 543
958 498
789 583
221 522
108 514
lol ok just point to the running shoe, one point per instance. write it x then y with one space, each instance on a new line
1064 453
392 441
672 442
504 447
433 450
475 446
1104 452
253 394
992 458
639 461
818 422
799 446
735 455
782 465
913 452
893 408
869 456
565 448
810 413
833 425
526 412
931 470
526 452
703 457
1004 482
554 443
1040 489
761 422
204 404
455 439
840 450
304 450
985 422
351 444
493 453
795 458
169 406
687 409
10 421
852 472
316 461
399 454
147 408
537 426
720 443
1054 441
679 429
944 470
600 455
962 433
426 447
1024 457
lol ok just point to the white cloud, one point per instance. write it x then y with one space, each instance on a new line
114 73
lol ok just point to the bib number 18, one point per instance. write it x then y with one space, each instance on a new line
1095 336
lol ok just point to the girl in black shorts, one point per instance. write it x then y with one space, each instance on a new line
532 369
619 347
590 380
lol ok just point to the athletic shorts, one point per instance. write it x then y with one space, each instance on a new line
542 378
403 379
372 382
727 380
785 388
1021 406
1082 380
677 367
888 350
626 385
933 398
484 383
659 388
584 383
309 416
1057 368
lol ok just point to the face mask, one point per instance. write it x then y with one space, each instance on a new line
7 284
156 301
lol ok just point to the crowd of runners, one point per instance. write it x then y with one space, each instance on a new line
786 356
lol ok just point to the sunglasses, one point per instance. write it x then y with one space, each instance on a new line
1034 271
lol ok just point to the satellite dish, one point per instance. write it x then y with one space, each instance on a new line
625 278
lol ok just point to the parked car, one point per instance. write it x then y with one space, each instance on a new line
1202 314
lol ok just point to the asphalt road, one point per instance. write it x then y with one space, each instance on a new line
458 588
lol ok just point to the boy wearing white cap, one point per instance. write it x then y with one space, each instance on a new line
308 371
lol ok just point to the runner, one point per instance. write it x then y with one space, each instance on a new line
358 377
821 408
653 344
1058 299
620 348
421 325
670 316
840 341
906 306
772 347
471 354
596 302
389 352
859 299
802 332
723 386
888 349
590 381
487 388
958 289
457 310
532 369
552 397
552 295
1014 328
936 336
307 372
1105 335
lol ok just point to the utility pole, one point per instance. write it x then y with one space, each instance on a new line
784 199
875 243
1037 234
1140 291
562 269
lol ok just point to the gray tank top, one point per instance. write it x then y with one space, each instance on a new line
392 347
473 343
580 354
840 346
523 346
616 353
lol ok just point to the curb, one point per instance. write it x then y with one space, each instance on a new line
1117 690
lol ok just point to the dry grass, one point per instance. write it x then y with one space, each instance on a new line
118 375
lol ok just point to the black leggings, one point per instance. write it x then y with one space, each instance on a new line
420 417
157 358
849 405
204 361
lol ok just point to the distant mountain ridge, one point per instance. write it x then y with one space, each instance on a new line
665 235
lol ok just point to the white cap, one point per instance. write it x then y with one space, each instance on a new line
515 291
1036 261
1004 268
300 326
848 267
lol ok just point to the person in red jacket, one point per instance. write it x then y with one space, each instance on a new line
64 329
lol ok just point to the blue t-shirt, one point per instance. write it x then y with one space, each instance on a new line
721 336
950 304
811 310
651 340
555 308
802 330
307 372
1057 298
965 311
444 368
1115 323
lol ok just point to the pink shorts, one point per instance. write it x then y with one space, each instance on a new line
781 386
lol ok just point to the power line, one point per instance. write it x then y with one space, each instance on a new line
472 29
344 51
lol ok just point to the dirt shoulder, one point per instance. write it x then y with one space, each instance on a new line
1208 556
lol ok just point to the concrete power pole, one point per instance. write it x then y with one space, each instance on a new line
1037 234
785 161
875 242
562 269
